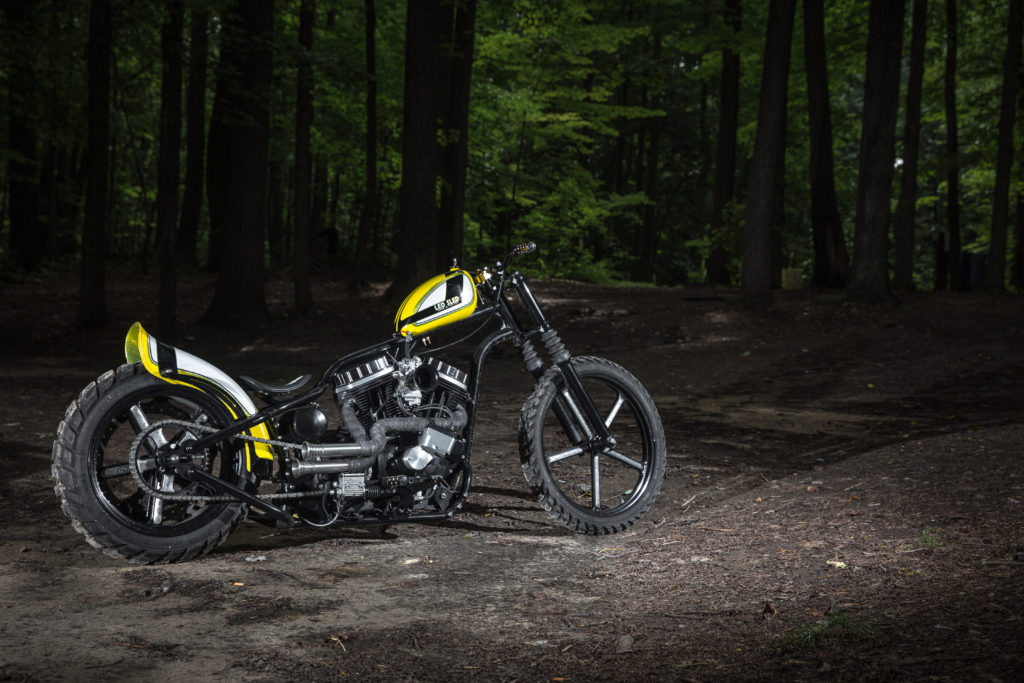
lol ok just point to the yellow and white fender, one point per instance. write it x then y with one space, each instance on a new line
180 367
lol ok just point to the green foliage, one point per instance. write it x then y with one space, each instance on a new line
567 99
930 538
543 108
832 632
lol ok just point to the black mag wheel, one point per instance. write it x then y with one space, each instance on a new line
590 490
96 488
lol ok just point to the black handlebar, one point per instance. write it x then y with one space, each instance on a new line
518 250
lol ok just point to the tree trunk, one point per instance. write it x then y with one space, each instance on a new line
1017 268
831 261
303 160
903 277
217 169
778 224
195 139
455 124
725 158
768 147
92 309
23 165
649 230
995 278
869 276
277 198
417 211
331 232
649 227
700 211
243 128
369 211
949 244
318 210
168 166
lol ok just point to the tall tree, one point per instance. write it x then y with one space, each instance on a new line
948 258
195 137
995 277
368 214
903 274
92 308
831 261
303 159
23 115
725 157
869 275
644 269
455 126
1017 267
768 148
239 133
168 165
417 210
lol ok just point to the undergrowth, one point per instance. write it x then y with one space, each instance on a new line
838 628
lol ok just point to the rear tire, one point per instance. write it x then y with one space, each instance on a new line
593 492
97 491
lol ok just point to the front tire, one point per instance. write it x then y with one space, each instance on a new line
588 490
96 489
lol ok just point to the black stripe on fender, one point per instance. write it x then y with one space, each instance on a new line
167 358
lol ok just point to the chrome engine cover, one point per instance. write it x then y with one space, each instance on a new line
380 387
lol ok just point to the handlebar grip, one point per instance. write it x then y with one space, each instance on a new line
524 248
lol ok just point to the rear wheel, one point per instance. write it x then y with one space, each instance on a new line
590 489
95 485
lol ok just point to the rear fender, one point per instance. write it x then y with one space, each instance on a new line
180 367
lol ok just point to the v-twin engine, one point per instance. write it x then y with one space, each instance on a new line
399 448
385 387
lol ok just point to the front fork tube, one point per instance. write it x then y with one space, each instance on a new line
577 404
576 397
574 407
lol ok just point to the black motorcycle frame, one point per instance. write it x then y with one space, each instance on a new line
495 286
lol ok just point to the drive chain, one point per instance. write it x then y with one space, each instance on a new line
133 466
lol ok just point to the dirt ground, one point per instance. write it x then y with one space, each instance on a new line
843 500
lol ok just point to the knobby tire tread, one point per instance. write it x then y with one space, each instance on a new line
85 511
550 497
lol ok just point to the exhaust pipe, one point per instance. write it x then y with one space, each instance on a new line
359 456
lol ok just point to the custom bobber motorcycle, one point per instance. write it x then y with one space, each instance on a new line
160 459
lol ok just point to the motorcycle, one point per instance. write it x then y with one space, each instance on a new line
159 460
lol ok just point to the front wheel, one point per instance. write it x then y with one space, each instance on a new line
92 476
593 490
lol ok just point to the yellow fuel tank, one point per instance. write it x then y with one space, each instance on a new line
442 300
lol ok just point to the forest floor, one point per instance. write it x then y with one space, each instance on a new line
844 499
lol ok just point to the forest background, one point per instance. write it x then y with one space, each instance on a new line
868 144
